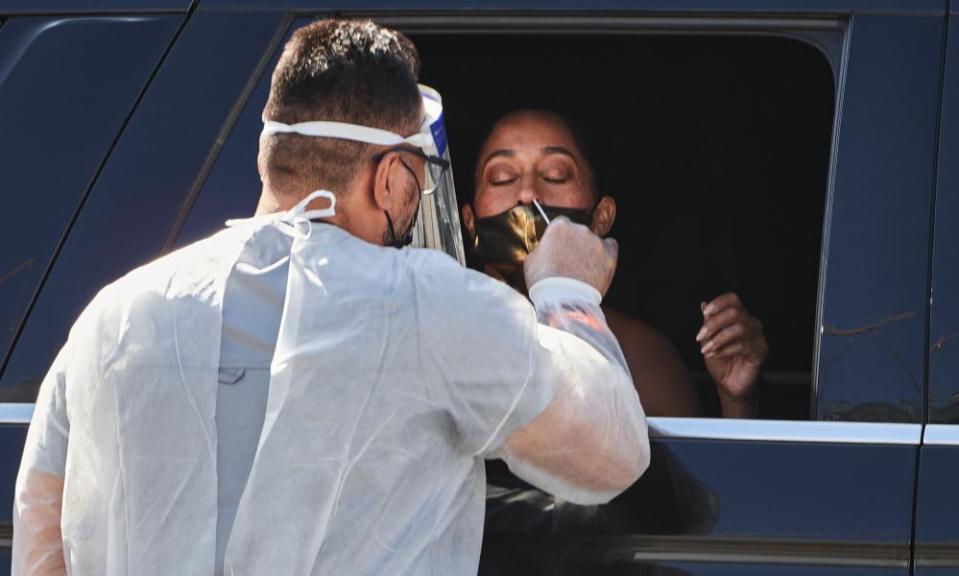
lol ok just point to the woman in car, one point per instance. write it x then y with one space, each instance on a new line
532 161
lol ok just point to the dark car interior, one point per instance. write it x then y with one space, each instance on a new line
716 150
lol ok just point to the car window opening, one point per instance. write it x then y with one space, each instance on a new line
716 151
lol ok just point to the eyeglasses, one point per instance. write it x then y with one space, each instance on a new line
434 166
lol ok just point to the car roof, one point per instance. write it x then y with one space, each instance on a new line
13 7
698 6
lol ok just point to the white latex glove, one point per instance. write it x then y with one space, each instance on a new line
572 251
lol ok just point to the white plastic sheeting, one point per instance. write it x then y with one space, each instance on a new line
395 373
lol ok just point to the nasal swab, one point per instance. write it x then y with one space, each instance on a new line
540 208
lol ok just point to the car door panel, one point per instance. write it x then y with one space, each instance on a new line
722 495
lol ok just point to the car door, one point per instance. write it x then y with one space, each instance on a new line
830 496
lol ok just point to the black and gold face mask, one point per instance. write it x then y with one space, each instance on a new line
504 240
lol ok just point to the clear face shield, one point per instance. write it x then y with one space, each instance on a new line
437 225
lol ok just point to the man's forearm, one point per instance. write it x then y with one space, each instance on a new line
37 540
581 448
591 442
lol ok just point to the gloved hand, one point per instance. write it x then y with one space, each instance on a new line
573 251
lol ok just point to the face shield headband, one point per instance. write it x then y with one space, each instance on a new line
439 226
422 143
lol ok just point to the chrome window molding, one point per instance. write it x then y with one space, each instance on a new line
786 431
637 548
15 413
941 435
731 429
937 555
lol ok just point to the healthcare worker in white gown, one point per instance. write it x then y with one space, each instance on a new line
295 395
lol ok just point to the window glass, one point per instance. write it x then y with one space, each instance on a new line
63 100
233 186
715 149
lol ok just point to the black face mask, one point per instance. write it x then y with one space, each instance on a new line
504 240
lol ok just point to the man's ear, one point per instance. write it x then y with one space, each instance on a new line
469 219
387 185
603 216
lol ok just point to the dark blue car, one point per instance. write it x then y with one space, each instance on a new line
804 153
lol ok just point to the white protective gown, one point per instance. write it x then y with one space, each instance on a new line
395 373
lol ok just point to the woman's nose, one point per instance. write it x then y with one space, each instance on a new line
527 191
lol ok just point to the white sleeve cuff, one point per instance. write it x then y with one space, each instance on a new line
560 289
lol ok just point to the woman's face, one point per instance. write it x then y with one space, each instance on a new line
531 155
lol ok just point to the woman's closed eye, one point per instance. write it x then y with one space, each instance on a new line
501 177
502 181
556 176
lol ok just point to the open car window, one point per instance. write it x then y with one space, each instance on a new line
716 151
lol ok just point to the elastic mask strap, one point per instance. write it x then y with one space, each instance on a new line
299 217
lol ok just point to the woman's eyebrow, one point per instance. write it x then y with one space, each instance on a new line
502 152
558 150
